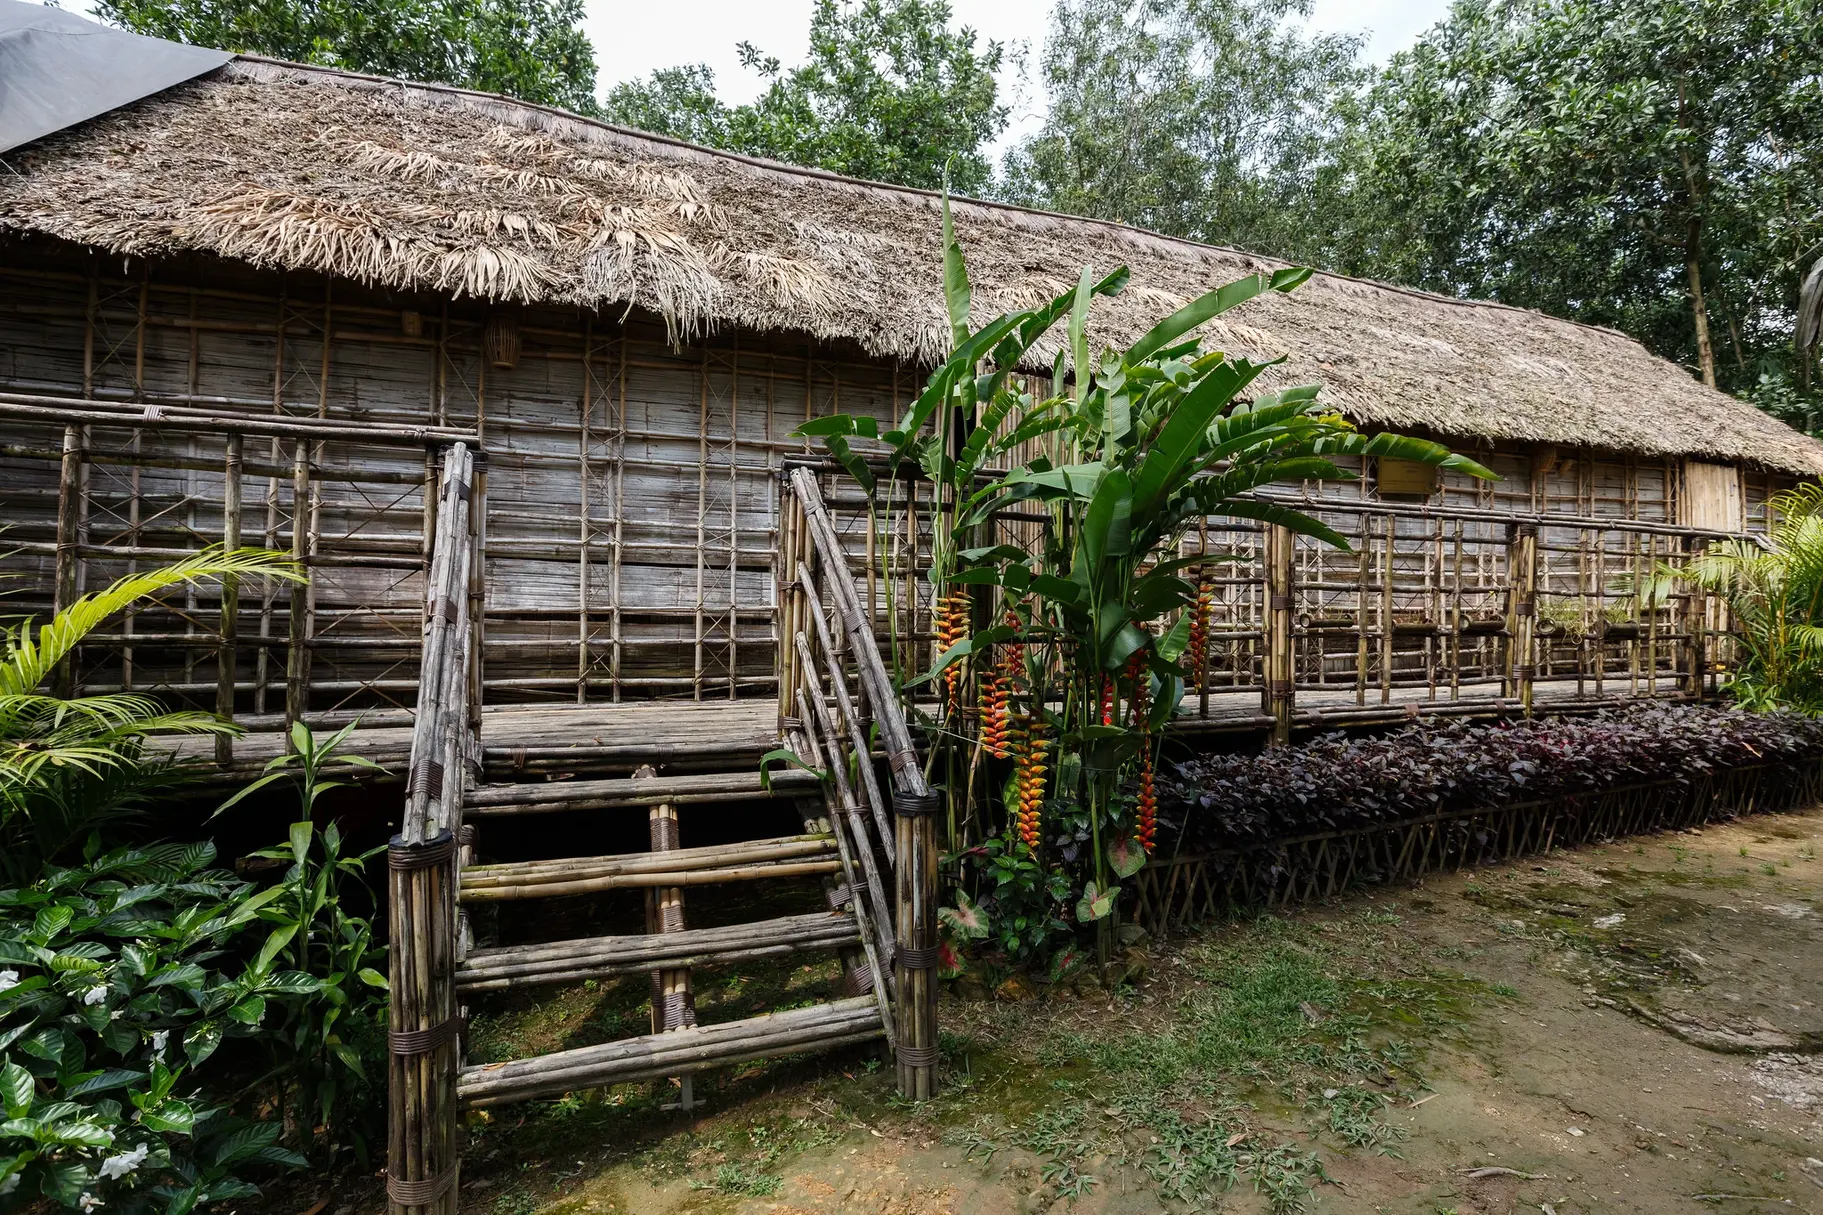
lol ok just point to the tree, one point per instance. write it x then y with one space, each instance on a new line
889 92
1212 119
531 49
1656 165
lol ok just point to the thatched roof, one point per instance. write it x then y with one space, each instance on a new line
436 189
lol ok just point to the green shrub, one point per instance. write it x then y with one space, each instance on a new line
118 982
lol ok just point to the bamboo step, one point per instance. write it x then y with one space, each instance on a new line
784 856
674 1053
598 957
510 798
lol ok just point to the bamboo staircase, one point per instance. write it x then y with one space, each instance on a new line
835 697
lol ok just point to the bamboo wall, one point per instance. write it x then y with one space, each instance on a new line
632 498
630 484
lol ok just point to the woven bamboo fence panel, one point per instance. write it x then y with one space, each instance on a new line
1180 891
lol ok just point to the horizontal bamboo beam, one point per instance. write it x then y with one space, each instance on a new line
140 417
598 957
521 798
673 1053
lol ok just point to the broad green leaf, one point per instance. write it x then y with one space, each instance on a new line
1167 694
1198 310
1284 516
1095 904
202 1040
172 1117
1079 334
1172 645
1107 526
16 1089
966 920
1126 857
957 294
1180 445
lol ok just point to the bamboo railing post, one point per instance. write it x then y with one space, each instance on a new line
915 959
1522 610
1280 643
231 600
297 654
1695 613
423 1164
69 493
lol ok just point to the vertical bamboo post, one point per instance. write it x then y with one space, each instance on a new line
422 1164
297 655
585 530
1695 613
915 959
231 600
1391 524
1522 609
69 489
1280 658
423 1047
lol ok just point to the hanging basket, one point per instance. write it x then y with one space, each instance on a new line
500 341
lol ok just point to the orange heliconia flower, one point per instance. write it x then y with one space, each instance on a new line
1148 801
952 626
994 734
1031 781
1197 652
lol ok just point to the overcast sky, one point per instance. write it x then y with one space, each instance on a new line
633 37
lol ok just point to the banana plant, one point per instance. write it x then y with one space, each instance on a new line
1134 448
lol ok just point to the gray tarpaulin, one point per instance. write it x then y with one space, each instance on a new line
57 69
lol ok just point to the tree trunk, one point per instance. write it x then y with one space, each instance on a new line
1694 183
1705 350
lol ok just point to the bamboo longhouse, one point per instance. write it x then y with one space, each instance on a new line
518 387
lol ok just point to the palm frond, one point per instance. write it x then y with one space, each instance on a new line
28 660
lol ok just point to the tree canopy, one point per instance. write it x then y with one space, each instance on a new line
1212 119
889 91
531 49
1654 165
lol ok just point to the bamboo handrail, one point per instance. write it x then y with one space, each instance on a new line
914 850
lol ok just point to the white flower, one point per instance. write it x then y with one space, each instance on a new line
9 979
88 1202
95 994
158 1041
11 1183
119 1166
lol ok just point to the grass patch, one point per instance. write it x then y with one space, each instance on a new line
1276 1020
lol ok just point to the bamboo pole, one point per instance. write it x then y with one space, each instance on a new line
871 926
857 735
231 600
582 515
1522 612
297 654
847 814
69 482
1280 641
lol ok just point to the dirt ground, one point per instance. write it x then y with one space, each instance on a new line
1628 1028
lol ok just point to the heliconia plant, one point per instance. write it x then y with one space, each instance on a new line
1123 455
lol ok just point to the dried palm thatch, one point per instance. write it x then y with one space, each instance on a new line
429 188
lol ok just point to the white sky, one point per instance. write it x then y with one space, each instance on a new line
633 37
